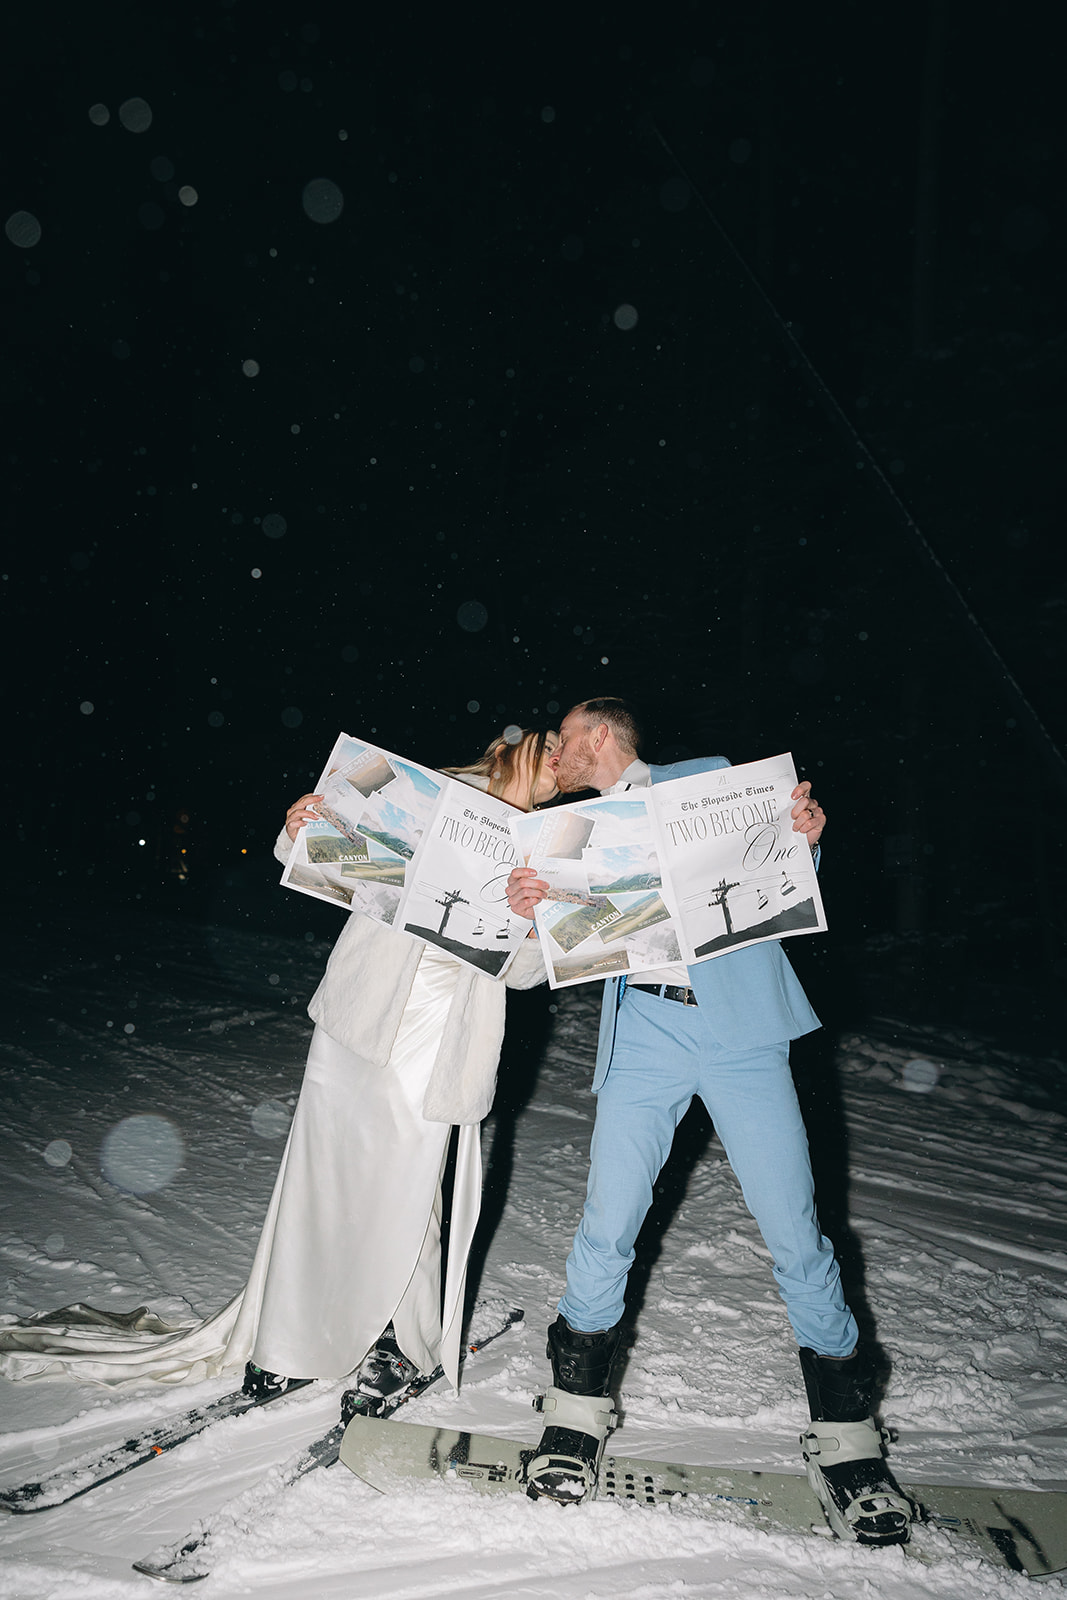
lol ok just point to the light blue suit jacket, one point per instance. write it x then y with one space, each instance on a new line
748 998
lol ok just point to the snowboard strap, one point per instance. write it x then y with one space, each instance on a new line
586 1413
830 1442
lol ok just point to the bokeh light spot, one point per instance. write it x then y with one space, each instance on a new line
472 616
135 115
674 194
323 200
58 1153
23 229
142 1153
270 1119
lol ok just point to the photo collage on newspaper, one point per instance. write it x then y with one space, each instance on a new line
671 875
414 849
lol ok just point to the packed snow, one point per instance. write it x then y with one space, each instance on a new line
151 1067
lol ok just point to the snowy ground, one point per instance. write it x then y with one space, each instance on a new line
955 1243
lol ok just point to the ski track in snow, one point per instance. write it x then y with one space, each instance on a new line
956 1222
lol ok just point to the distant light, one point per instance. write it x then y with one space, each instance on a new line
257 572
244 852
188 195
87 708
603 661
625 317
473 705
250 369
140 841
99 115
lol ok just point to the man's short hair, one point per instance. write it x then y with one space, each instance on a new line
619 717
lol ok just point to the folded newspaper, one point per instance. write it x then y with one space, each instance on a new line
679 873
412 848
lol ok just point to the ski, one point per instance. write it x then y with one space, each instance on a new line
1024 1530
190 1559
91 1470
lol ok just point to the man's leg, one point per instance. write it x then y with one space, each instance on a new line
753 1104
645 1095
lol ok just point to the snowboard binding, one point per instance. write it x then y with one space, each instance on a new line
565 1465
844 1455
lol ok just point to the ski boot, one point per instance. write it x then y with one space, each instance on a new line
260 1385
580 1415
384 1370
843 1452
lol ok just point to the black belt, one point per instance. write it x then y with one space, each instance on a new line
669 991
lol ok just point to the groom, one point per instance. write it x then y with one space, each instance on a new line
720 1030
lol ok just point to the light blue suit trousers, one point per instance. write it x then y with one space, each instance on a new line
731 1050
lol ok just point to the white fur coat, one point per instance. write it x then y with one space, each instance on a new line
365 988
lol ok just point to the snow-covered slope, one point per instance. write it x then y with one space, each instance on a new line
949 1207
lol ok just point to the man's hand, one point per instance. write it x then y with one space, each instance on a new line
524 890
809 818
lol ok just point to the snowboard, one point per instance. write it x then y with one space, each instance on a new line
1022 1529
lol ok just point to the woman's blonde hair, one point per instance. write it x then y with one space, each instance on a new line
513 757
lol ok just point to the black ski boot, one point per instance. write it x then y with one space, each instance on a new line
385 1369
843 1452
564 1466
261 1385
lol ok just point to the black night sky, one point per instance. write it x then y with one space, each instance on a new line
413 371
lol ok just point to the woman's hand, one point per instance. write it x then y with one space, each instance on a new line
300 814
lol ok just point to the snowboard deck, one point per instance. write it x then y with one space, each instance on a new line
1022 1529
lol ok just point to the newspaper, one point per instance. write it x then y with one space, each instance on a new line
414 849
678 873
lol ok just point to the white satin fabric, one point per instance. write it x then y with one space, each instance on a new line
351 1240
